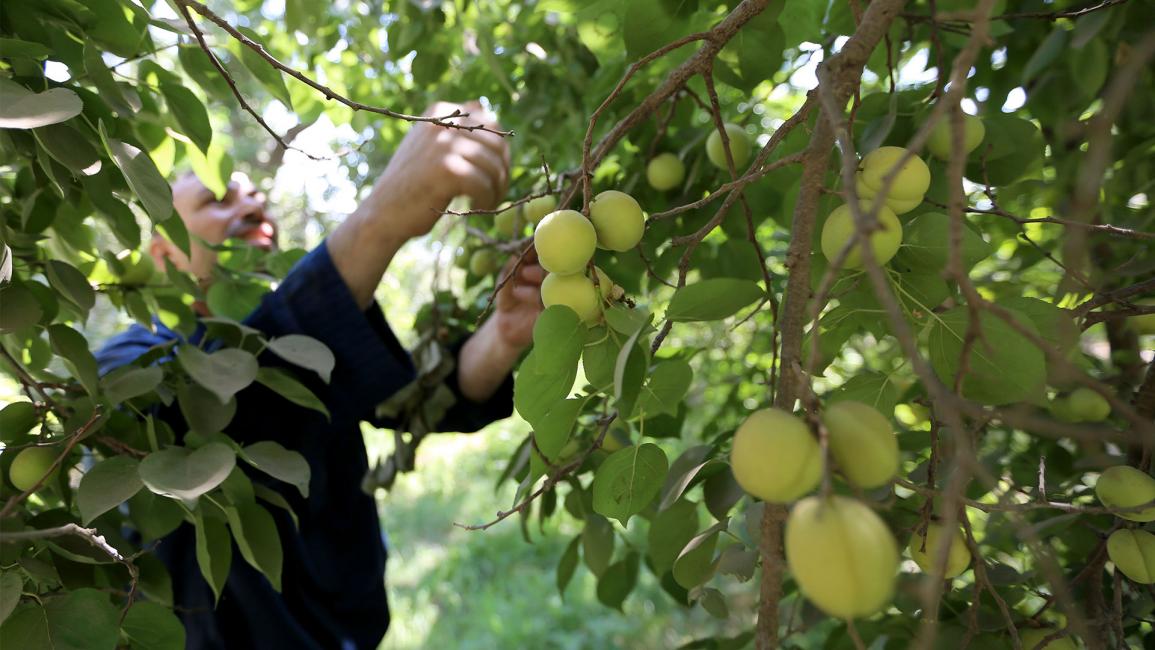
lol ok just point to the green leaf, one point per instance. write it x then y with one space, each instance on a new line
560 336
553 431
214 168
618 581
69 147
224 373
16 420
629 373
286 385
1055 324
1016 149
534 393
27 628
264 71
11 585
695 564
280 463
1046 54
142 176
214 552
202 410
305 351
128 382
13 48
21 308
714 603
73 347
22 109
625 320
257 538
667 386
1003 366
873 388
190 114
712 299
154 516
599 357
629 480
235 298
81 620
187 474
108 484
647 27
567 565
597 543
150 626
926 244
71 284
106 85
672 529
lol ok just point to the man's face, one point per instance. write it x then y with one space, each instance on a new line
239 214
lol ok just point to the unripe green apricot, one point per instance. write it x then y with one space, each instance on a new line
1143 323
839 227
924 551
509 222
618 220
483 261
862 442
896 205
939 143
842 556
1126 487
665 172
912 181
461 259
536 209
575 291
565 241
774 456
1133 552
138 267
1032 638
30 465
1088 406
739 147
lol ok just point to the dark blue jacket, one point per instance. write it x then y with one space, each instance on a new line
333 589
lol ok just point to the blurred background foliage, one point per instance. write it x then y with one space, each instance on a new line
544 67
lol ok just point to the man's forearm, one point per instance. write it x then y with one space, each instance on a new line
484 362
362 248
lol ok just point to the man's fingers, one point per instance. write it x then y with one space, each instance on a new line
475 183
532 273
526 293
487 161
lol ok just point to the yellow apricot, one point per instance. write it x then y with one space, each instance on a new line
842 555
924 550
574 291
774 456
565 241
862 442
1126 487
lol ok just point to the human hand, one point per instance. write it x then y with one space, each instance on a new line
433 164
519 302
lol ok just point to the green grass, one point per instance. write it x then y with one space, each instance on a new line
453 588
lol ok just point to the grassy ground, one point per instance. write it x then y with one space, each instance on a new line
452 588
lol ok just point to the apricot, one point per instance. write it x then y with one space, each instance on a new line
842 556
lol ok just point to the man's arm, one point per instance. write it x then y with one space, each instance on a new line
489 355
431 166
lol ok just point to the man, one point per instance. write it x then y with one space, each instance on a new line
333 592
